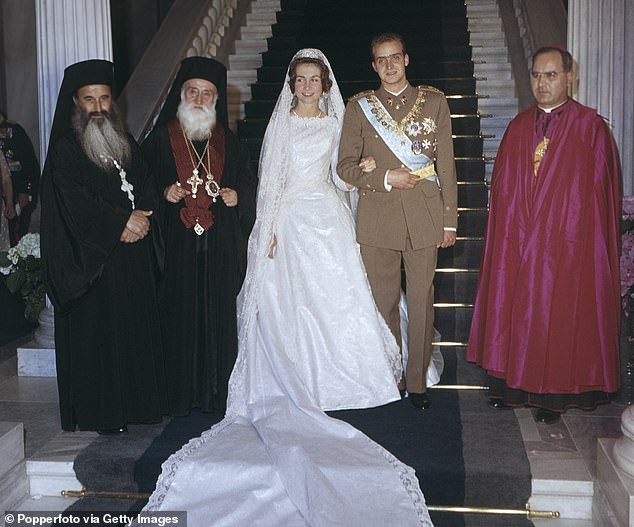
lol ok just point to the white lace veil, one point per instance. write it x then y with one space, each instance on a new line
273 173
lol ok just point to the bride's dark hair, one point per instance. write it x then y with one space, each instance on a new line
326 83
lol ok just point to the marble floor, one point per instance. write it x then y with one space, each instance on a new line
551 449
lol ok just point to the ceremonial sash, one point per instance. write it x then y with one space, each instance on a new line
197 211
399 143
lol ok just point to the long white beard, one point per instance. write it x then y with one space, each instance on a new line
197 123
103 140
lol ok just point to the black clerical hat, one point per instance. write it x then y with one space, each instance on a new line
197 68
84 73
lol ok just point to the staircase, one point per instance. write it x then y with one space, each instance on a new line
440 55
498 103
13 481
243 64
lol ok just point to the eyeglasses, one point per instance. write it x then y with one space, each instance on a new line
547 75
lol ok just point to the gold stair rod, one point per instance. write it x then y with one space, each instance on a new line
457 387
105 494
436 508
528 512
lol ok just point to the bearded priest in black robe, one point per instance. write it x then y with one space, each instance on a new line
97 199
206 213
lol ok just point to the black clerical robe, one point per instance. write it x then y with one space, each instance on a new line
201 277
107 337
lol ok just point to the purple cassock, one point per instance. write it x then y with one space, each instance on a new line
546 317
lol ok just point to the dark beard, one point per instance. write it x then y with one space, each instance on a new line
103 140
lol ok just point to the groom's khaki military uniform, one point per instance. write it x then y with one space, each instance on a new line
402 225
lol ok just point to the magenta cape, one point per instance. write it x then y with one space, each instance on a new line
547 312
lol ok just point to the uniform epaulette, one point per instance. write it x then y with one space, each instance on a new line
430 88
360 94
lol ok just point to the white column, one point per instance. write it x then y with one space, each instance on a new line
601 40
68 31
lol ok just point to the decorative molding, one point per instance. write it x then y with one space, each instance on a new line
210 35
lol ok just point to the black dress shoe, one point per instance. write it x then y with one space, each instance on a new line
547 416
497 403
420 400
402 391
112 431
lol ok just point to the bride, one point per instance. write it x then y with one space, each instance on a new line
310 339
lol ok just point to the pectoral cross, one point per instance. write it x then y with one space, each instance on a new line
195 182
127 187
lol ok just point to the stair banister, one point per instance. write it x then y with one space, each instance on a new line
191 27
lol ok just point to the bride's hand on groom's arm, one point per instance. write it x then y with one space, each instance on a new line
367 164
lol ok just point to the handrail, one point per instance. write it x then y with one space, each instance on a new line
541 23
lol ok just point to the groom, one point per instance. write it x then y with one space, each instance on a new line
407 204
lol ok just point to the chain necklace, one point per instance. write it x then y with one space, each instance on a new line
211 186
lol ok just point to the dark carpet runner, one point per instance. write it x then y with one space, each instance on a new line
464 452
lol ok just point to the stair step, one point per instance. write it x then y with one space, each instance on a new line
464 254
489 54
50 469
13 480
11 445
455 287
266 4
453 321
470 169
14 487
261 18
487 103
472 222
245 61
256 32
496 123
481 10
487 24
238 75
479 37
468 145
472 194
250 47
44 503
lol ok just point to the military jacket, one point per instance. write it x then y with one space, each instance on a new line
386 219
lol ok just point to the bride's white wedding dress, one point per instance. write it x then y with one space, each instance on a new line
315 301
310 338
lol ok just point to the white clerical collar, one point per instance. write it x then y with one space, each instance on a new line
397 94
548 110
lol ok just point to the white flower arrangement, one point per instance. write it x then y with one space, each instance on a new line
22 267
29 245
